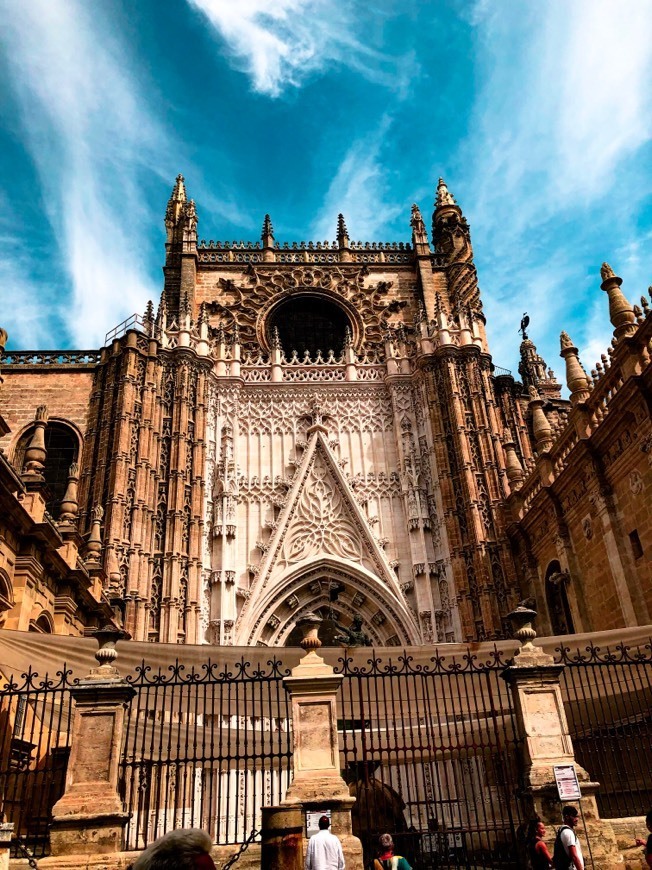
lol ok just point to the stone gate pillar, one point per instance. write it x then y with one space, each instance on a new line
317 783
89 820
541 720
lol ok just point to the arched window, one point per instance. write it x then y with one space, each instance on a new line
43 625
309 323
561 619
62 446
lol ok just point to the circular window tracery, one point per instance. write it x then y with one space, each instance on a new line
309 323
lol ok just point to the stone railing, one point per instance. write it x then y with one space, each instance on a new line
51 358
396 253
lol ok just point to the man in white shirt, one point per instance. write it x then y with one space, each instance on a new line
324 849
570 840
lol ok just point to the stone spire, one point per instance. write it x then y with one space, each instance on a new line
176 202
36 454
342 232
451 238
267 237
621 312
541 428
267 234
534 370
419 234
343 240
576 379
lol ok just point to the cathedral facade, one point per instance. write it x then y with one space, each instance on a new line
320 427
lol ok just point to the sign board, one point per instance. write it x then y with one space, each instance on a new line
567 784
312 820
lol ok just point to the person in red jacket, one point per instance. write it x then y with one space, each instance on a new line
184 849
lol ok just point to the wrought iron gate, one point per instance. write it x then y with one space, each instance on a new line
205 749
432 754
35 731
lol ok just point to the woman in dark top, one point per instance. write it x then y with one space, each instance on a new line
537 851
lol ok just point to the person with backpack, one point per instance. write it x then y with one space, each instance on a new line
537 851
387 860
567 853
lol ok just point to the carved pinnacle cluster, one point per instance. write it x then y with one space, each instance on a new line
268 229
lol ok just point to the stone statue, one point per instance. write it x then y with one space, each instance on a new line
353 635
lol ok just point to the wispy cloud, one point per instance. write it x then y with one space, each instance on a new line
92 139
361 191
564 107
281 44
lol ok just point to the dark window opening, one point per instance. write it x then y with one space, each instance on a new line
561 620
62 448
635 541
310 323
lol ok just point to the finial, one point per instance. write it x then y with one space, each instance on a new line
342 232
513 467
94 544
69 504
348 338
36 454
276 339
106 638
621 312
444 196
525 322
576 379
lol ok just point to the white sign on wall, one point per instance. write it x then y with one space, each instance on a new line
567 782
312 820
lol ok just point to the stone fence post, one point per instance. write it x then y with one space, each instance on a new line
88 821
317 783
533 677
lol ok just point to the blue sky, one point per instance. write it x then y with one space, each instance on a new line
538 115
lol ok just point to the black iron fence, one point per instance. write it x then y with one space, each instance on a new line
35 731
608 702
431 751
432 755
205 749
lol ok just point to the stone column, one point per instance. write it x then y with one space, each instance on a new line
89 820
541 721
317 783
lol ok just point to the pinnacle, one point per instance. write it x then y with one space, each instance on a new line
606 272
268 229
179 190
416 214
341 227
444 196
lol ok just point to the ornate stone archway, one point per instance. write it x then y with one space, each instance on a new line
305 587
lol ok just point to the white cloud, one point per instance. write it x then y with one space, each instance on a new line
562 113
92 139
281 44
360 190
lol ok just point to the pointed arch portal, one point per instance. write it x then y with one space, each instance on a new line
307 586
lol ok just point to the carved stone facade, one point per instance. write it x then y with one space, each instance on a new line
314 425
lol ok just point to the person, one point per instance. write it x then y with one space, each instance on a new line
183 849
647 851
387 860
537 851
568 851
324 850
